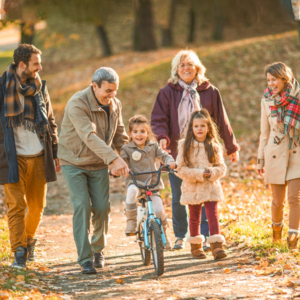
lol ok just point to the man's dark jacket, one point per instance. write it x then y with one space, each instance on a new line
164 117
9 169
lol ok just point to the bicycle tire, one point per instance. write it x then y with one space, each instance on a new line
157 248
145 253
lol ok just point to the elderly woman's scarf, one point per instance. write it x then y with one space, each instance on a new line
190 102
34 115
285 108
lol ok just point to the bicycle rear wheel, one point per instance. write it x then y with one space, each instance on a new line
157 247
145 253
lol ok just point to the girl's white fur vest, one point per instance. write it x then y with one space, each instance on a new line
195 188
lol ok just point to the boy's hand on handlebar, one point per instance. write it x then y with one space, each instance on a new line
172 165
119 167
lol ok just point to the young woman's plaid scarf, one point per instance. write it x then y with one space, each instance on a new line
34 115
287 109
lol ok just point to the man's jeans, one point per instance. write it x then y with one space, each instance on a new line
179 212
89 192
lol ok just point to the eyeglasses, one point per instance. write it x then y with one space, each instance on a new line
189 65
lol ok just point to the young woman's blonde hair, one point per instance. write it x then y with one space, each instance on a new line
140 119
179 57
280 70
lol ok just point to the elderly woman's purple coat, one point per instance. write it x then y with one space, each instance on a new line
164 117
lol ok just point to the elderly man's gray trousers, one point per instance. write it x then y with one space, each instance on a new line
89 192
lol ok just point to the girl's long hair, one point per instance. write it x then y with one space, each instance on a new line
212 137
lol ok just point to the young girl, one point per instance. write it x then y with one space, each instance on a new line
200 164
140 154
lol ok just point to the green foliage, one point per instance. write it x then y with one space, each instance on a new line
6 58
4 241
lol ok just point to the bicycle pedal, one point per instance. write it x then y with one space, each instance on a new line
130 234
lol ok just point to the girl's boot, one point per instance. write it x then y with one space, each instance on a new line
131 222
292 241
196 246
216 244
165 227
277 233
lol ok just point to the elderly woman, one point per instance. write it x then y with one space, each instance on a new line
187 90
279 151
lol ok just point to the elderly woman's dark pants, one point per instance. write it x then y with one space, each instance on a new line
204 223
89 192
179 212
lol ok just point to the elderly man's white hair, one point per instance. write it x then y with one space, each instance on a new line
105 74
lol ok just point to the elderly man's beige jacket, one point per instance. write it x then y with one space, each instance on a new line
87 140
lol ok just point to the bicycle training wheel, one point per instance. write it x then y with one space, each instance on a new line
146 255
157 247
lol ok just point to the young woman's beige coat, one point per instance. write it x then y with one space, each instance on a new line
281 163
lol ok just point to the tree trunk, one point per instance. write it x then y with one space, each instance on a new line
192 17
27 32
218 19
106 50
143 37
167 38
299 30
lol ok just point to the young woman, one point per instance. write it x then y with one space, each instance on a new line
279 151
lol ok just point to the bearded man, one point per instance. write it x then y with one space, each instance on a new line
28 148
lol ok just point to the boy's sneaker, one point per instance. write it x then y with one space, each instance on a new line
20 258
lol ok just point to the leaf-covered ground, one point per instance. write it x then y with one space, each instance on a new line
255 268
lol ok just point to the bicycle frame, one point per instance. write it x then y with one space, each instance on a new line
150 214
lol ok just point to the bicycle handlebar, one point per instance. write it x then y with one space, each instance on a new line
170 171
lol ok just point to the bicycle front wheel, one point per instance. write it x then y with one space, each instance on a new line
157 248
145 253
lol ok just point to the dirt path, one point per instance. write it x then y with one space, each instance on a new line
124 276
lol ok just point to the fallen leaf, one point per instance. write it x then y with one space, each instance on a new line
226 270
120 281
20 278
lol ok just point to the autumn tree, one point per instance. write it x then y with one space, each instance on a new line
95 12
143 35
26 13
167 26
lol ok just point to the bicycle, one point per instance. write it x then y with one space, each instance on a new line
150 233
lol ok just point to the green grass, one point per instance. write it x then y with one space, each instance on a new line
4 241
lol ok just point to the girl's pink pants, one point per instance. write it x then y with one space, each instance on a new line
211 209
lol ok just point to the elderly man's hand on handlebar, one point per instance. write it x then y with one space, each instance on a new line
172 165
119 167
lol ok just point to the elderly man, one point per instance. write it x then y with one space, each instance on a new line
92 128
28 145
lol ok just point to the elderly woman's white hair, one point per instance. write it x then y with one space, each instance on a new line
179 57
